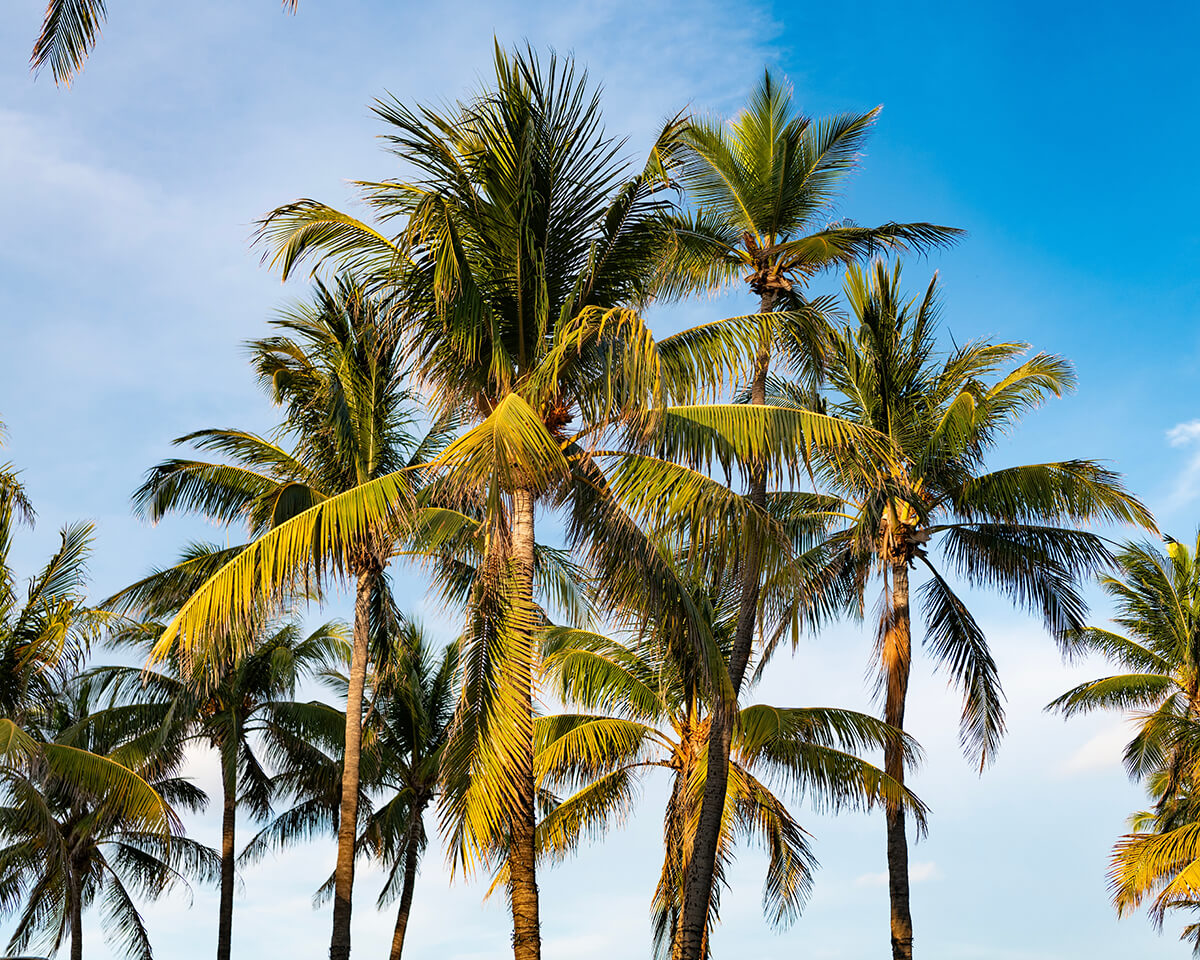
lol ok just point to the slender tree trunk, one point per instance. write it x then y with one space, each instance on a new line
411 856
228 848
897 661
677 825
75 896
690 944
343 874
523 890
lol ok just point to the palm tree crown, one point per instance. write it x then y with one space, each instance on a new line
1157 641
65 847
648 708
1016 530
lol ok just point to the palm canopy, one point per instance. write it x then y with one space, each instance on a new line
1156 642
763 189
411 707
350 417
1017 530
521 252
246 711
45 635
411 699
66 844
646 707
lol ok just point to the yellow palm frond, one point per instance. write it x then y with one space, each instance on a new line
299 553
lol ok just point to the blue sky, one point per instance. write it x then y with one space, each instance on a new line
1060 135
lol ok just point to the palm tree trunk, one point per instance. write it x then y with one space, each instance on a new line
343 874
75 896
411 856
228 847
702 863
523 891
897 661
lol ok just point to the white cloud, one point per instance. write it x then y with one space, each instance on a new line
1101 752
1182 434
1186 436
917 873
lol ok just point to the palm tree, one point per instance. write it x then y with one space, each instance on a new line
648 708
44 638
413 701
63 848
350 418
1157 641
763 188
1158 863
69 31
522 238
1016 530
243 710
526 248
410 706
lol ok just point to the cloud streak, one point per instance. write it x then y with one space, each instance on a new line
1186 437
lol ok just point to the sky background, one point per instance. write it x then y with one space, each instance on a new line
1061 136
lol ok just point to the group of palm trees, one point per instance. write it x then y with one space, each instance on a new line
477 359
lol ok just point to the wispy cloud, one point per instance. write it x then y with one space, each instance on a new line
1102 752
1186 436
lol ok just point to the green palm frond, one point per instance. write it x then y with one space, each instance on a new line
1075 490
1130 691
1039 567
600 674
1165 866
572 749
306 228
1121 650
68 34
589 813
791 864
491 739
958 644
781 438
813 749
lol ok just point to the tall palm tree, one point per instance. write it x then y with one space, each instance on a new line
763 187
244 710
350 418
1157 641
523 238
525 249
69 32
413 705
410 706
64 848
1017 530
649 707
